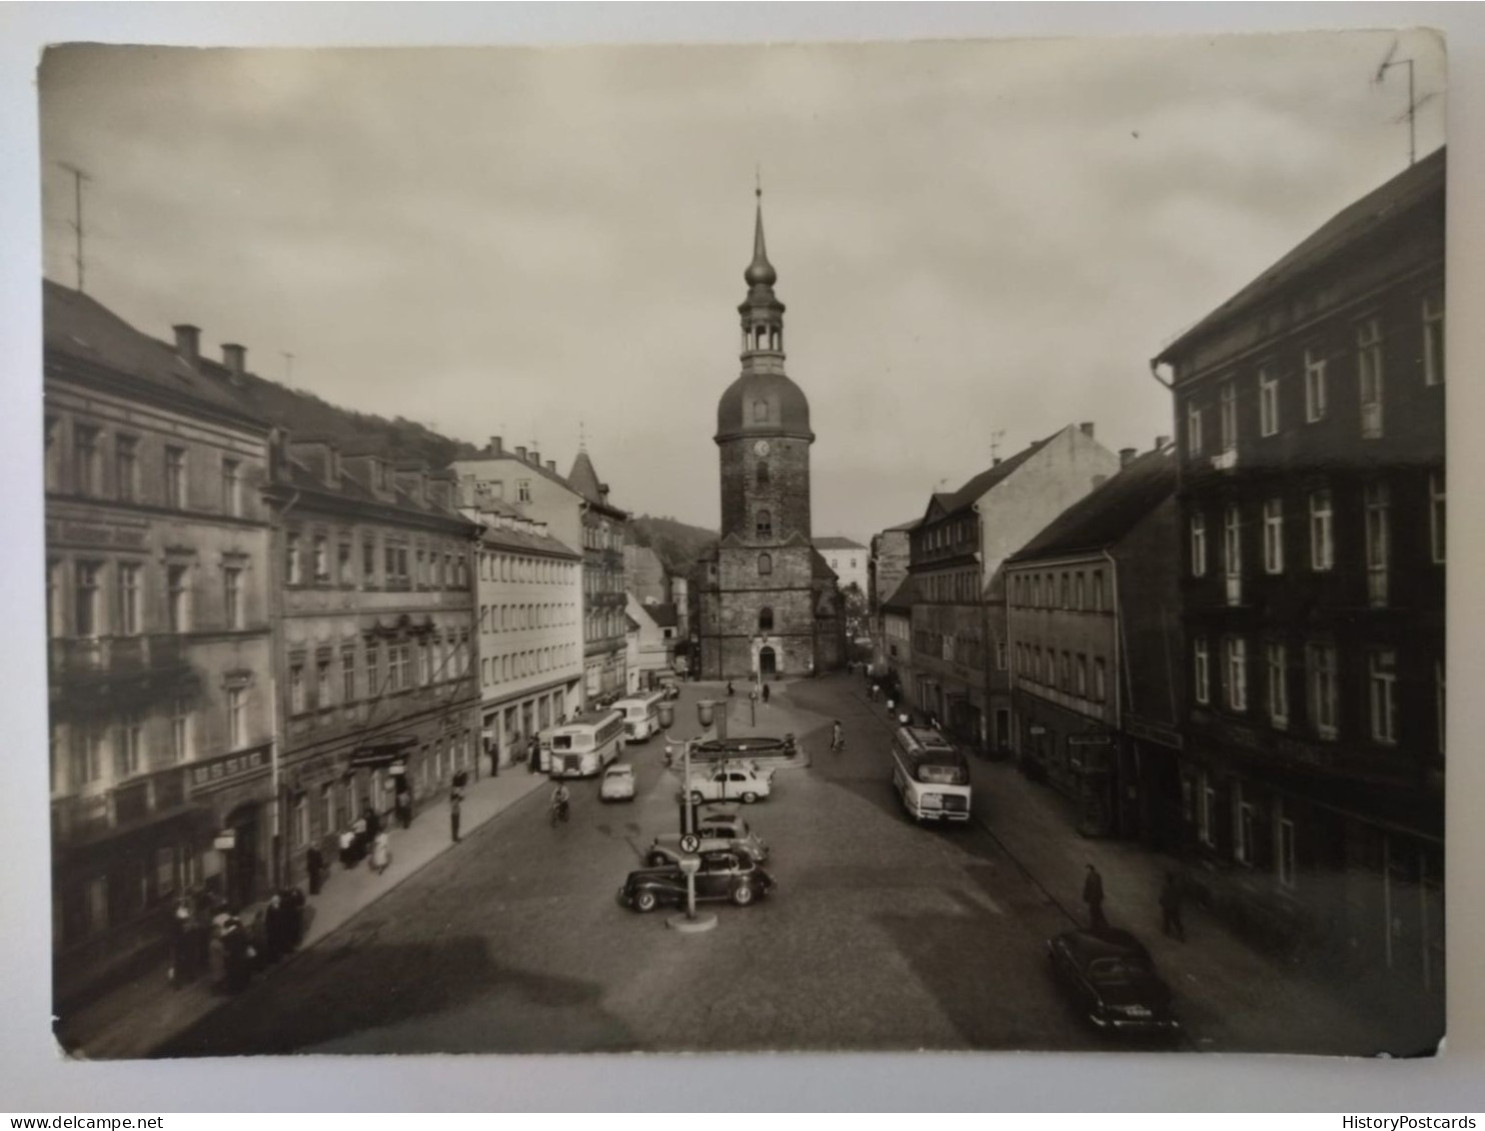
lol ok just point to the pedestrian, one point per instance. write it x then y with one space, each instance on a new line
273 929
492 748
1093 897
314 863
535 745
454 805
373 822
765 694
729 689
875 688
837 738
404 805
237 955
381 852
293 918
1171 896
182 945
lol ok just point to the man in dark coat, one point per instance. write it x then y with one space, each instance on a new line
1093 897
237 961
315 865
765 693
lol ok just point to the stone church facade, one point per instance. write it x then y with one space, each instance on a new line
769 604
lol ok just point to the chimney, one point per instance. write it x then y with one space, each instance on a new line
995 462
1126 457
1087 428
552 466
1161 442
234 357
521 453
496 447
535 457
188 341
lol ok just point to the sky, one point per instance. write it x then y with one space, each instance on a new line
978 242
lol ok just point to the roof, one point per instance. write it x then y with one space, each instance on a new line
508 539
833 543
1410 188
663 615
902 597
910 525
952 501
80 327
788 411
1106 514
820 568
634 625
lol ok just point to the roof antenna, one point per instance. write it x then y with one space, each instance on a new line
758 180
995 439
78 177
288 368
1411 114
582 438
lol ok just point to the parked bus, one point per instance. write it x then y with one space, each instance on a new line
641 715
583 746
931 776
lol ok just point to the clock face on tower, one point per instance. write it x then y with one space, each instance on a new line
760 448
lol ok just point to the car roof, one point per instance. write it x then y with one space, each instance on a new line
620 768
1107 943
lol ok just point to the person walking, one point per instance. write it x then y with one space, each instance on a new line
1171 897
404 805
314 863
455 802
765 694
182 945
837 738
729 689
381 852
1093 897
492 748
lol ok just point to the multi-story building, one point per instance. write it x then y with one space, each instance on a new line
375 640
158 606
960 662
530 599
847 559
887 564
1310 409
1091 602
652 643
768 603
895 663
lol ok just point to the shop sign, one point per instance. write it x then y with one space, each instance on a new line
226 770
1088 740
226 840
1037 728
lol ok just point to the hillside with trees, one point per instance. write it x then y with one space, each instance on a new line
677 543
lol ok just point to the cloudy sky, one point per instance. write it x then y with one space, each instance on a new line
977 242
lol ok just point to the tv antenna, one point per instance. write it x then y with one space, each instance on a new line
288 367
78 177
1411 113
995 438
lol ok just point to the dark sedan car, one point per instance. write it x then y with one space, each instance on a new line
722 875
1109 976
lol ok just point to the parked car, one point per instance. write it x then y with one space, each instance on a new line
617 783
730 781
1109 975
718 830
731 875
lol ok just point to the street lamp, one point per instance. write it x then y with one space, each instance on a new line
690 862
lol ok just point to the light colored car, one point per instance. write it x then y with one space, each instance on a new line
718 832
617 784
730 781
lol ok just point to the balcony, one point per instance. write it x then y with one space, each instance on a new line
135 804
88 658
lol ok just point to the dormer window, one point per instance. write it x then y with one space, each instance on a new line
760 412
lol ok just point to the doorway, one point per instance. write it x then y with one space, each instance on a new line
767 662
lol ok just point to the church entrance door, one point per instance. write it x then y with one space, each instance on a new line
767 663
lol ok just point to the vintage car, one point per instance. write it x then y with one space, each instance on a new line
718 830
617 783
729 875
729 781
1110 978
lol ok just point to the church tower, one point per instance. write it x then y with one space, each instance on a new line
763 591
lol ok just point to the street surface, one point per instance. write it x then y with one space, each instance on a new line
881 935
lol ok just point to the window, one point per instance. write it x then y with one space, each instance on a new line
1433 340
1198 545
1080 591
1232 554
1100 680
323 698
368 560
87 754
296 688
1098 590
1437 516
1000 655
1063 591
52 471
763 479
1268 402
373 670
765 565
1284 846
1201 673
1242 826
89 621
55 623
1378 538
1273 536
1208 816
236 717
1322 545
180 731
293 563
232 593
765 619
175 478
1237 673
764 524
178 598
1382 682
85 455
1080 676
321 560
344 557
1277 659
523 490
128 753
1369 374
1193 430
1314 385
126 468
231 487
1320 665
1228 418
760 412
129 610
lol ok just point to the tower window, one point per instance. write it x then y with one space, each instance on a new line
760 412
762 473
765 619
765 564
764 524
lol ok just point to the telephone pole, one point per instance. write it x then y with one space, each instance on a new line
78 177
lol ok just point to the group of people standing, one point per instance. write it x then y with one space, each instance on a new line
209 939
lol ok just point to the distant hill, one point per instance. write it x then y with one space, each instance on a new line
677 544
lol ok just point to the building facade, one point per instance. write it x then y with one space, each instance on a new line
529 592
375 642
848 560
653 636
1310 409
769 605
158 615
605 627
961 669
1090 604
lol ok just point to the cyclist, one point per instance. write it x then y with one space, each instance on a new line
560 797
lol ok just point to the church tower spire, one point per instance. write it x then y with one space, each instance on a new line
762 313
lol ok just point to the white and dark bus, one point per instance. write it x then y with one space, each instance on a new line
931 775
583 746
641 715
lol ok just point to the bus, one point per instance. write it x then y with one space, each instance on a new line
931 776
583 746
641 715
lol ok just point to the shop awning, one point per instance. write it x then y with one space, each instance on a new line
371 755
